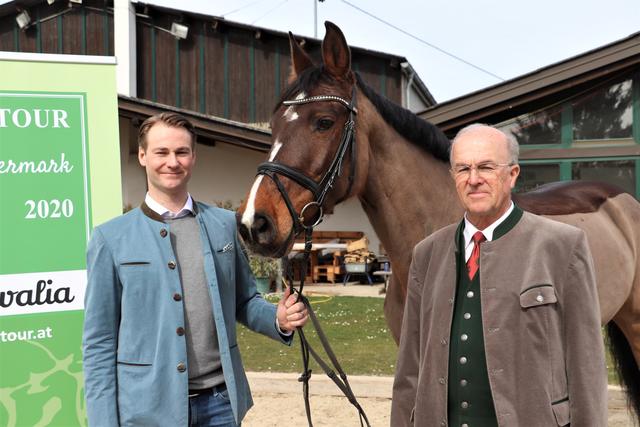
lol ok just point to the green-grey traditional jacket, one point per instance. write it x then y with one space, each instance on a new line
540 324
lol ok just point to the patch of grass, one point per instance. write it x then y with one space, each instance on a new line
355 328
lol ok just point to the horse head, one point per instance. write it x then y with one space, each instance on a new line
312 163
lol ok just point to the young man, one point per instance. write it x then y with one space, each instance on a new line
166 283
505 332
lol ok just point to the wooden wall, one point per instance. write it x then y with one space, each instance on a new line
224 70
86 30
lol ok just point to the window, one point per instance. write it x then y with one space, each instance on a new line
605 113
542 127
618 172
534 175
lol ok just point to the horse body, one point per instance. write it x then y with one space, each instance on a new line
403 183
399 200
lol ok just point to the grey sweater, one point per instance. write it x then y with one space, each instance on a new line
203 355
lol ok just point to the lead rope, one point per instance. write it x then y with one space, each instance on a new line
319 191
340 381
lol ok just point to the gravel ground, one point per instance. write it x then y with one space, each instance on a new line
278 401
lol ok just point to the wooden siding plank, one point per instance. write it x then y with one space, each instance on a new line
188 84
165 68
95 33
50 34
7 25
144 40
239 75
266 63
72 33
214 81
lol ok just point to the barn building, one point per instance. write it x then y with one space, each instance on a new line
224 76
576 119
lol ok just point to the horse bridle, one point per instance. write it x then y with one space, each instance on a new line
319 191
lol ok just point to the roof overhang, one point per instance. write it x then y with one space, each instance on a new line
544 82
209 127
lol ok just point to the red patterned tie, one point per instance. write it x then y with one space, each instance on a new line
472 263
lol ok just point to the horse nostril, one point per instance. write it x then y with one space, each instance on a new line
244 232
262 226
262 229
242 229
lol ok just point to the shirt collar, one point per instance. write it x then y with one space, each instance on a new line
470 229
165 213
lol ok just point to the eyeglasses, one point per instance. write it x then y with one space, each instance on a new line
484 170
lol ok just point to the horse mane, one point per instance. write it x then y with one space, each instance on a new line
413 128
406 123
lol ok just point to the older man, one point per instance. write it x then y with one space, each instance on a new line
501 325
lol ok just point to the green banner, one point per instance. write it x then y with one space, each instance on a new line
43 182
49 130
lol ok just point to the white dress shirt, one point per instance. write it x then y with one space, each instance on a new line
165 213
470 230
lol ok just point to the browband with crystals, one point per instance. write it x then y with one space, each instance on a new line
322 98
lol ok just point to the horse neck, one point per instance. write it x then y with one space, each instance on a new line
408 192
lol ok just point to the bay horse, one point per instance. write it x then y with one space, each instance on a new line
399 169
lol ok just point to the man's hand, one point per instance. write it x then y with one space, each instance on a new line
291 314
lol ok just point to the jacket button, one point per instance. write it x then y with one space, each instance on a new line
177 297
163 232
464 405
180 331
442 381
181 367
172 265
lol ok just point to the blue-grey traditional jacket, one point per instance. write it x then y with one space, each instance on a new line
135 364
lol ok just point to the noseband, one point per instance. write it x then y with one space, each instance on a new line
320 189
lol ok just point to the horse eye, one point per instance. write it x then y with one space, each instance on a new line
324 124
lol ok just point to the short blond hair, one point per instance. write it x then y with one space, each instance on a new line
173 120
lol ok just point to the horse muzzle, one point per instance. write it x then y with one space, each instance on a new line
261 236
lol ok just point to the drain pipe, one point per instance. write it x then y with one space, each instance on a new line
410 72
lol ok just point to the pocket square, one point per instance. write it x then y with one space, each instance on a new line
226 247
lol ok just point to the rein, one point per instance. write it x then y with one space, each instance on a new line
319 191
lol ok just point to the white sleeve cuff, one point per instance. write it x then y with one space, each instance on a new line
284 333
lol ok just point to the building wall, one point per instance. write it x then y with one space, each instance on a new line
231 72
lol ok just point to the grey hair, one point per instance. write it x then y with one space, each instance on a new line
512 142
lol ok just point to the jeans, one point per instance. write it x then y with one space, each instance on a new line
211 410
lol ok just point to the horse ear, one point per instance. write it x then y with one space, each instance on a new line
300 61
335 51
